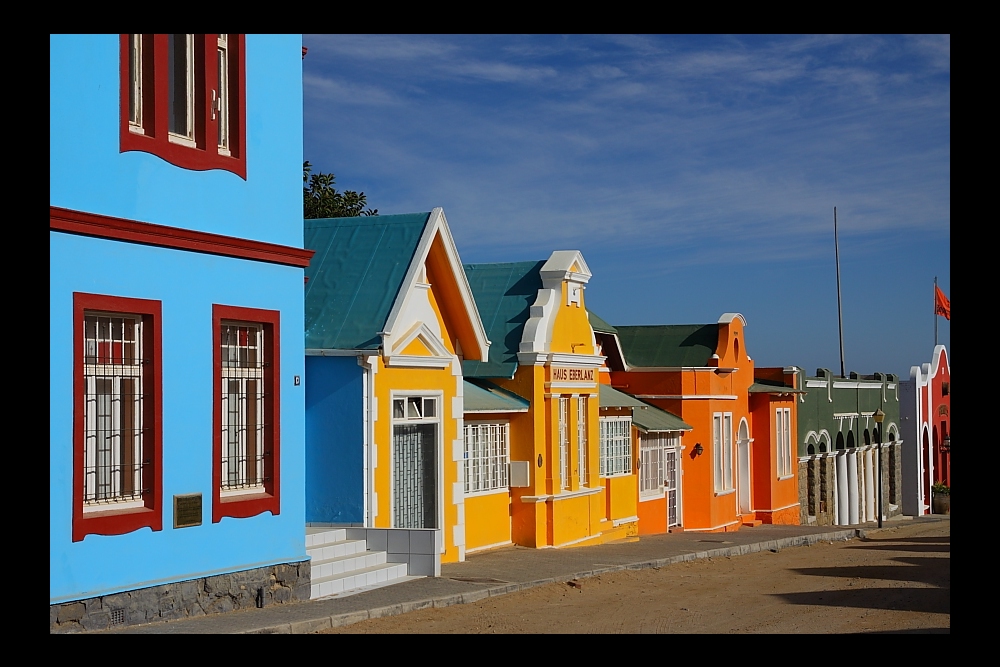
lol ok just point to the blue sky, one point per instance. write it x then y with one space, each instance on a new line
697 174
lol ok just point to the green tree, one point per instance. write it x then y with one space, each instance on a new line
321 199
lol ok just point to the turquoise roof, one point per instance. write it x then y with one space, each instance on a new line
668 345
504 294
355 276
483 396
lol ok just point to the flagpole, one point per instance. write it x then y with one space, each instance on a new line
935 311
840 313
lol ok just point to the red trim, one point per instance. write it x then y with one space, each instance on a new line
117 522
156 97
270 500
119 229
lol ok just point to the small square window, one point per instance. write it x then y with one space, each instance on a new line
413 408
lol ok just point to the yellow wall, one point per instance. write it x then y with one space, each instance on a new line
487 520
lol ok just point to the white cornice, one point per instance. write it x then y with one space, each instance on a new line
566 358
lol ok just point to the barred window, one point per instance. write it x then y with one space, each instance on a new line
654 461
616 446
242 407
113 409
486 457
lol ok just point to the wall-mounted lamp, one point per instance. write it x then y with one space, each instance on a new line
573 346
698 449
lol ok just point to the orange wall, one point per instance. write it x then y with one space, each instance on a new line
703 508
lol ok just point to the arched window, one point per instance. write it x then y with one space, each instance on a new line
840 441
868 438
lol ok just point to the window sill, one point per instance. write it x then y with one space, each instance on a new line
724 493
490 492
244 497
115 522
784 477
244 507
649 495
619 474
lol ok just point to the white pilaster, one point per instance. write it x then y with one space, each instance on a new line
853 498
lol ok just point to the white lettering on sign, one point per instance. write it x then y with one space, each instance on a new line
572 374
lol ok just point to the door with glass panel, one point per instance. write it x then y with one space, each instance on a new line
414 462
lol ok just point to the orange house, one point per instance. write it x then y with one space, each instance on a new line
739 465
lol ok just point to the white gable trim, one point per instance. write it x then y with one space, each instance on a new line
436 224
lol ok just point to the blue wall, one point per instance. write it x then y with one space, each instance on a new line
187 284
87 173
334 440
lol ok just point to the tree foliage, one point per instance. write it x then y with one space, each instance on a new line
321 199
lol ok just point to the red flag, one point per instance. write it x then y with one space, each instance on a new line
942 306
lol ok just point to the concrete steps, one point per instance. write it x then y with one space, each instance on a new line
341 565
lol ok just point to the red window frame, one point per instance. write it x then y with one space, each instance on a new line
270 499
155 116
120 521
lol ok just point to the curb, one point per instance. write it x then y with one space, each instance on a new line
340 620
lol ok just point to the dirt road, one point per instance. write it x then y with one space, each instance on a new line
898 580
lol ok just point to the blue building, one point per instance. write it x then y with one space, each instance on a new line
177 461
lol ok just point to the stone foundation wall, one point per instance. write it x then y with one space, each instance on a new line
260 587
816 504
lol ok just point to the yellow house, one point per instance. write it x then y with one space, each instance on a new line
543 353
389 319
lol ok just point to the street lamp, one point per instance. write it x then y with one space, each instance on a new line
878 416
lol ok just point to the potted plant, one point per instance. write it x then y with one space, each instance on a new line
940 499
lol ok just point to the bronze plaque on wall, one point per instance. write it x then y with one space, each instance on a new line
187 510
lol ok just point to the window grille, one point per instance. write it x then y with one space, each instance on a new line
113 379
581 438
564 443
486 457
653 471
414 475
616 446
243 445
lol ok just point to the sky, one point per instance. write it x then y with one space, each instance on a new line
698 175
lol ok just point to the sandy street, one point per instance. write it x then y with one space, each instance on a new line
898 580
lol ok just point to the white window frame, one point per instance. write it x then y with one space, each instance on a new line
653 448
783 423
189 138
581 438
109 371
234 419
486 457
722 451
563 417
616 446
135 111
436 399
220 103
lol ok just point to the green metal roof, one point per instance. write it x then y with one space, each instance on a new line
668 345
355 276
772 387
652 418
504 294
598 324
483 396
612 398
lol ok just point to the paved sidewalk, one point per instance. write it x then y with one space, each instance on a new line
506 570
